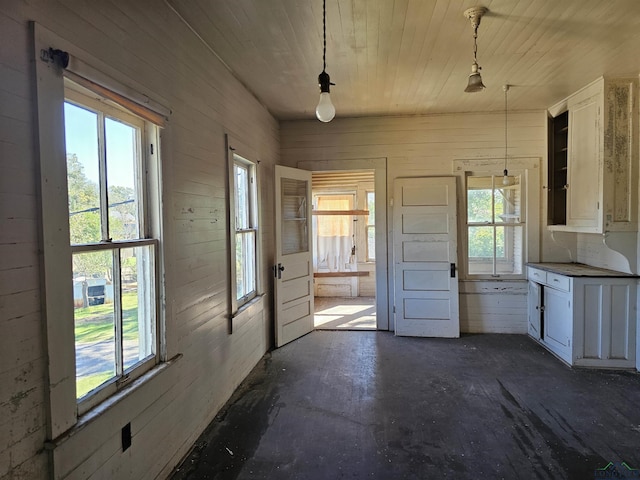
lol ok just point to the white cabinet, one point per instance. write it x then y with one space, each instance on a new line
583 163
558 322
535 305
587 321
593 170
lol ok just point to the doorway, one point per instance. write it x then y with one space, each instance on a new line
344 251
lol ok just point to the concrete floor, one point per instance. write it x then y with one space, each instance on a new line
356 405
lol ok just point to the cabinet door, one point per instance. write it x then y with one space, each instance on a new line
534 303
584 172
558 322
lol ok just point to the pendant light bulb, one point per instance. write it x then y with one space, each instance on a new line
505 178
325 111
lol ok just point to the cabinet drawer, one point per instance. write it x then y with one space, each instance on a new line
558 281
539 276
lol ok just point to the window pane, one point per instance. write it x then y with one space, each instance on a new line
480 242
138 306
371 230
509 250
371 206
122 150
94 318
294 216
479 200
242 197
245 263
371 243
81 134
334 234
507 201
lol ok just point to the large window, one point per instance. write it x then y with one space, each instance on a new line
499 220
245 223
495 238
113 252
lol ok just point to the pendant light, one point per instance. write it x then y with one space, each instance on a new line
475 80
505 177
325 111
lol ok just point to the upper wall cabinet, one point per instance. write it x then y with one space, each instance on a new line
593 155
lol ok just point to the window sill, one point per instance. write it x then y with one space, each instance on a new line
96 412
246 312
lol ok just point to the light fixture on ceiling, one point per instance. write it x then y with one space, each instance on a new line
475 80
505 177
325 111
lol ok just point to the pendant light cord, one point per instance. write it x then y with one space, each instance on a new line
324 35
506 89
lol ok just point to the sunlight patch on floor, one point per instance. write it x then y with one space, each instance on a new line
358 313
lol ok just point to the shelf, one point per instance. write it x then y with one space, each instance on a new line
340 274
340 212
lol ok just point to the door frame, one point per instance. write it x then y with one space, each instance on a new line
383 282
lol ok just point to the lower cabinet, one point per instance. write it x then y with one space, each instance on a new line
586 321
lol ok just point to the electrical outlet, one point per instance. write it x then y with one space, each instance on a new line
126 436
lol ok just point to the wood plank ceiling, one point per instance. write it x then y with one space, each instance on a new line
406 57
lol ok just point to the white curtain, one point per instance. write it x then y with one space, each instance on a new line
334 235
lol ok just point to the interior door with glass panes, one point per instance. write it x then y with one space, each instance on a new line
293 270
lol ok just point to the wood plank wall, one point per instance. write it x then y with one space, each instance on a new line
145 42
426 146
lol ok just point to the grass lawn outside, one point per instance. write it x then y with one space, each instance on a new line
94 325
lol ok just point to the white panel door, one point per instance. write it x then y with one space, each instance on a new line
293 270
424 257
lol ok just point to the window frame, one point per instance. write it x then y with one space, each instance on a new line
528 169
146 134
240 154
509 227
62 405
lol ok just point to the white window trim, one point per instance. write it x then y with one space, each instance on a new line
56 249
529 170
236 148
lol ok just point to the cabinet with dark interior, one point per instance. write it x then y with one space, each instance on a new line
557 182
592 159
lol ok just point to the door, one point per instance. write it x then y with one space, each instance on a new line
424 257
534 300
584 164
293 270
558 322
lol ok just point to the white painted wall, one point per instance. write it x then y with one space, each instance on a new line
143 41
426 146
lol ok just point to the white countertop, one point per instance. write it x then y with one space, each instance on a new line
578 270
